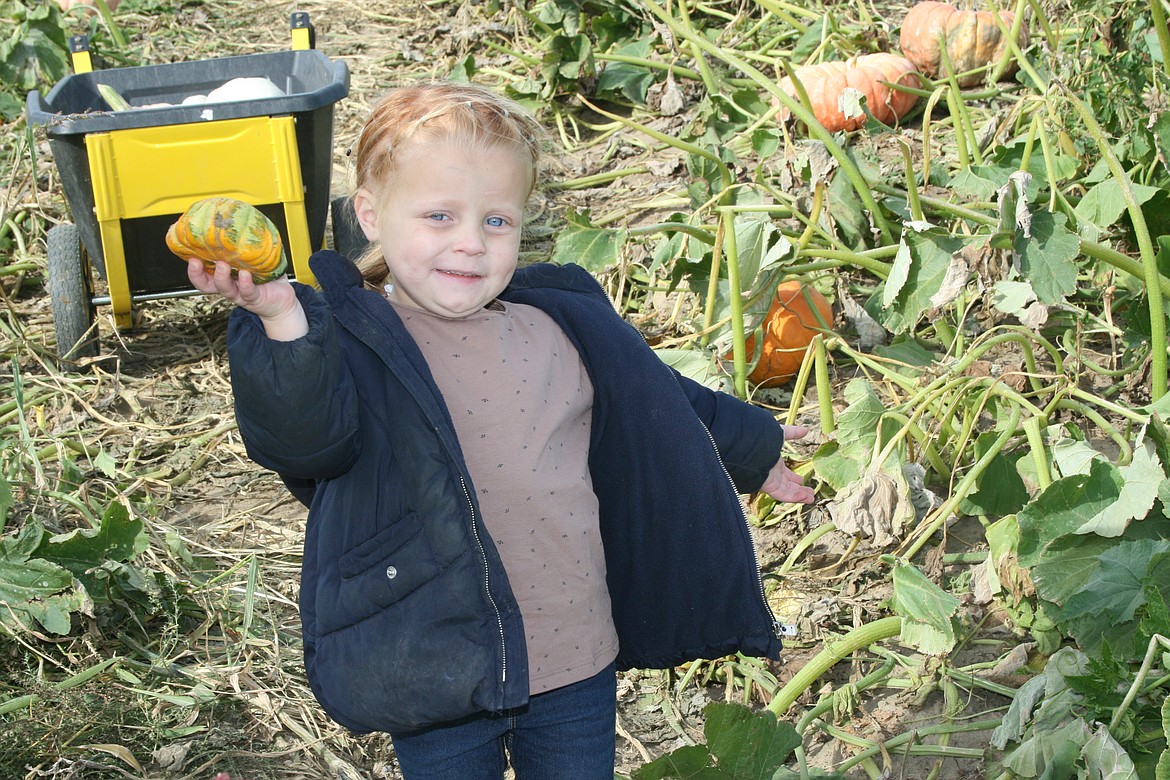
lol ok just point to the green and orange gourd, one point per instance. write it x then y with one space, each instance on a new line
232 231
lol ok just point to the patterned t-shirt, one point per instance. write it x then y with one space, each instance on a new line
521 402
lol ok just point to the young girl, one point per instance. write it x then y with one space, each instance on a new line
510 496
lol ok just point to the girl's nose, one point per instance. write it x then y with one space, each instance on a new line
470 241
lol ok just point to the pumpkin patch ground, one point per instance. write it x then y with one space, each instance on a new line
181 656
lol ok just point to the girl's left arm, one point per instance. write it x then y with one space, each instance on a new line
749 440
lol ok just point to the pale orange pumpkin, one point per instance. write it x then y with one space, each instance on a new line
973 39
797 314
827 81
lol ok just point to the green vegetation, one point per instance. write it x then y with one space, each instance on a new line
990 408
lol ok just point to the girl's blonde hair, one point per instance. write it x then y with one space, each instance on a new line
466 114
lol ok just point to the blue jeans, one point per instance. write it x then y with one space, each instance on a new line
565 734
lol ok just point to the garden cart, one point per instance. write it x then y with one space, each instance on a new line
128 174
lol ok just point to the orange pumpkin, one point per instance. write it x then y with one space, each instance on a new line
826 82
973 39
230 230
797 314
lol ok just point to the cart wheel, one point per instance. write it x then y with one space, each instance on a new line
69 291
348 238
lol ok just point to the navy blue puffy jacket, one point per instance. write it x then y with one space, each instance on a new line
408 616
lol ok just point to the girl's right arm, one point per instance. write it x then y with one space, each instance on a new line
296 404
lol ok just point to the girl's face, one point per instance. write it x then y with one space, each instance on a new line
449 224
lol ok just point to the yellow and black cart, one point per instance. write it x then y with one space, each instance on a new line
128 174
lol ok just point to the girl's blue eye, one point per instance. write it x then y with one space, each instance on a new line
496 222
438 217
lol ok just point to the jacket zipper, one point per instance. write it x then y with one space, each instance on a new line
487 583
475 535
777 629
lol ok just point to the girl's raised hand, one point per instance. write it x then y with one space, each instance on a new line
275 302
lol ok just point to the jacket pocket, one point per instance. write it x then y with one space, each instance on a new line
390 565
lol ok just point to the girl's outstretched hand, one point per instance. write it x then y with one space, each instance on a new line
783 484
274 302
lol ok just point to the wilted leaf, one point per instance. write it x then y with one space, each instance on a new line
876 507
1105 758
953 282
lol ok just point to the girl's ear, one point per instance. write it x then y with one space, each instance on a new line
367 213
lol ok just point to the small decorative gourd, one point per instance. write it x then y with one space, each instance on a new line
973 40
826 81
230 230
797 314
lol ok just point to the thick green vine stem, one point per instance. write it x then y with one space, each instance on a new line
833 652
1151 274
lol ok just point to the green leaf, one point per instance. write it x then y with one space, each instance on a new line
19 547
595 249
1116 588
927 610
969 183
690 762
899 274
1066 505
931 255
1012 297
33 589
999 490
1103 204
6 501
1047 257
567 59
1163 770
1066 564
692 363
10 107
119 537
621 78
1141 477
1042 719
909 352
1104 757
747 745
846 210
